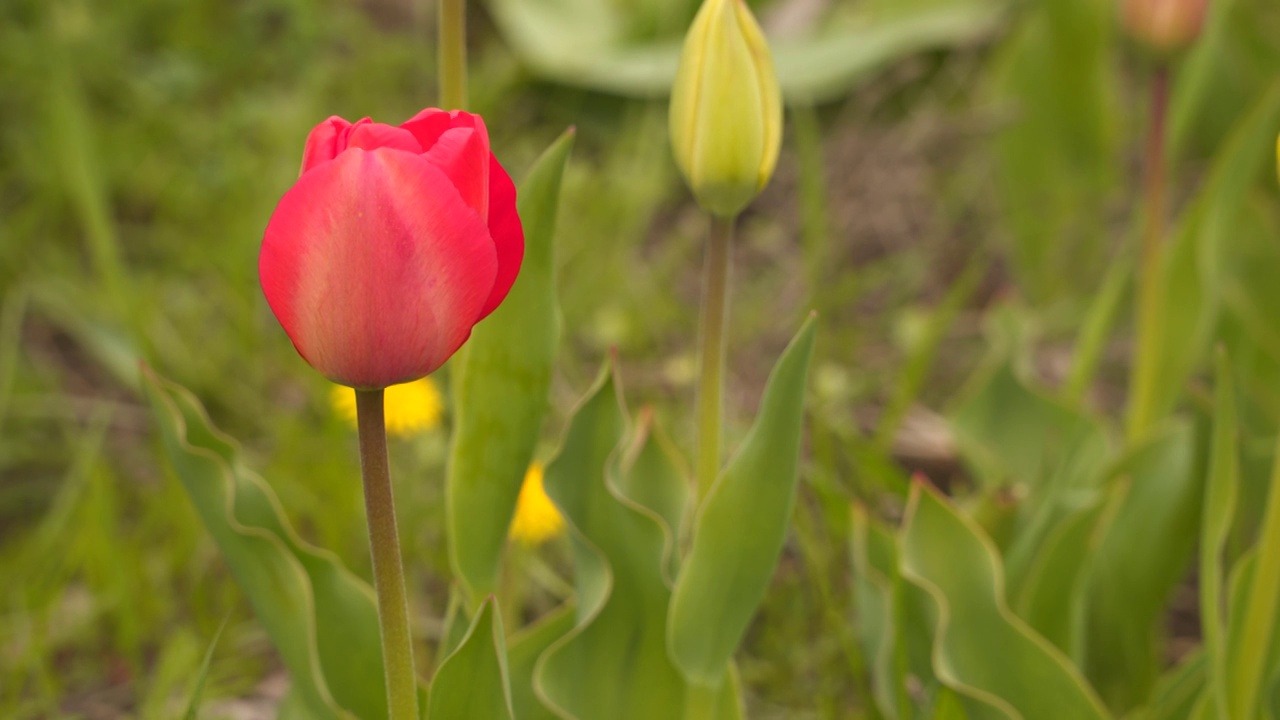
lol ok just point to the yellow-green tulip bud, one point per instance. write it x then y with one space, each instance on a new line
726 109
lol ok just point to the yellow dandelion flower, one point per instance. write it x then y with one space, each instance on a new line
410 408
537 519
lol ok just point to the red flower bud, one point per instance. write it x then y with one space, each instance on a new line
1164 26
392 244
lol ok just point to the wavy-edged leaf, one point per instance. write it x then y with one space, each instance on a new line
614 664
471 684
322 619
584 43
741 526
947 555
523 650
876 594
500 385
1142 555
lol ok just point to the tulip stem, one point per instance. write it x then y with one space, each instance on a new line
1145 367
452 28
388 569
715 310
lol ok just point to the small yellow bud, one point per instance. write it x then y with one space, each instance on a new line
726 109
1164 26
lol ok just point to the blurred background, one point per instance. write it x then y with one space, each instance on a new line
956 176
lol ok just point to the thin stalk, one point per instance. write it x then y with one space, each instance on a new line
388 569
701 702
453 54
1149 320
715 309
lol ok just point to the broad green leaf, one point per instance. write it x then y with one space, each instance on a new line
1056 76
1051 599
471 684
1215 529
656 481
586 43
1193 269
741 526
877 597
500 385
1142 556
997 664
614 663
322 619
523 650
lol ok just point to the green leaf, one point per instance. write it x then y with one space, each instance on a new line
1221 490
500 385
523 651
471 684
982 651
1193 271
322 619
877 593
1142 556
1056 75
193 702
741 526
1179 695
614 663
586 43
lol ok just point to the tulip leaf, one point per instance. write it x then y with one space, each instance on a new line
523 651
500 384
471 684
949 557
585 43
877 594
741 526
1194 265
614 663
322 619
1221 490
1142 555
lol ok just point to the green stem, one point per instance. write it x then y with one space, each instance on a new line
1260 612
453 54
701 702
388 569
715 309
1145 370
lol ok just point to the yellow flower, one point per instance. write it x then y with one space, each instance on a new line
411 408
537 519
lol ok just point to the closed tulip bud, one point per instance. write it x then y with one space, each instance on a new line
1164 26
726 109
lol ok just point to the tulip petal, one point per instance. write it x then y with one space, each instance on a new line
324 142
372 135
376 268
507 233
463 155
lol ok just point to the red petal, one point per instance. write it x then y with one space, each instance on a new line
372 135
376 268
323 142
507 233
463 155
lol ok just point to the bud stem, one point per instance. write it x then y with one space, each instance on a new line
715 312
1148 320
388 569
452 28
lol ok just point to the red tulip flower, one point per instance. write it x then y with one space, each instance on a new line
392 244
